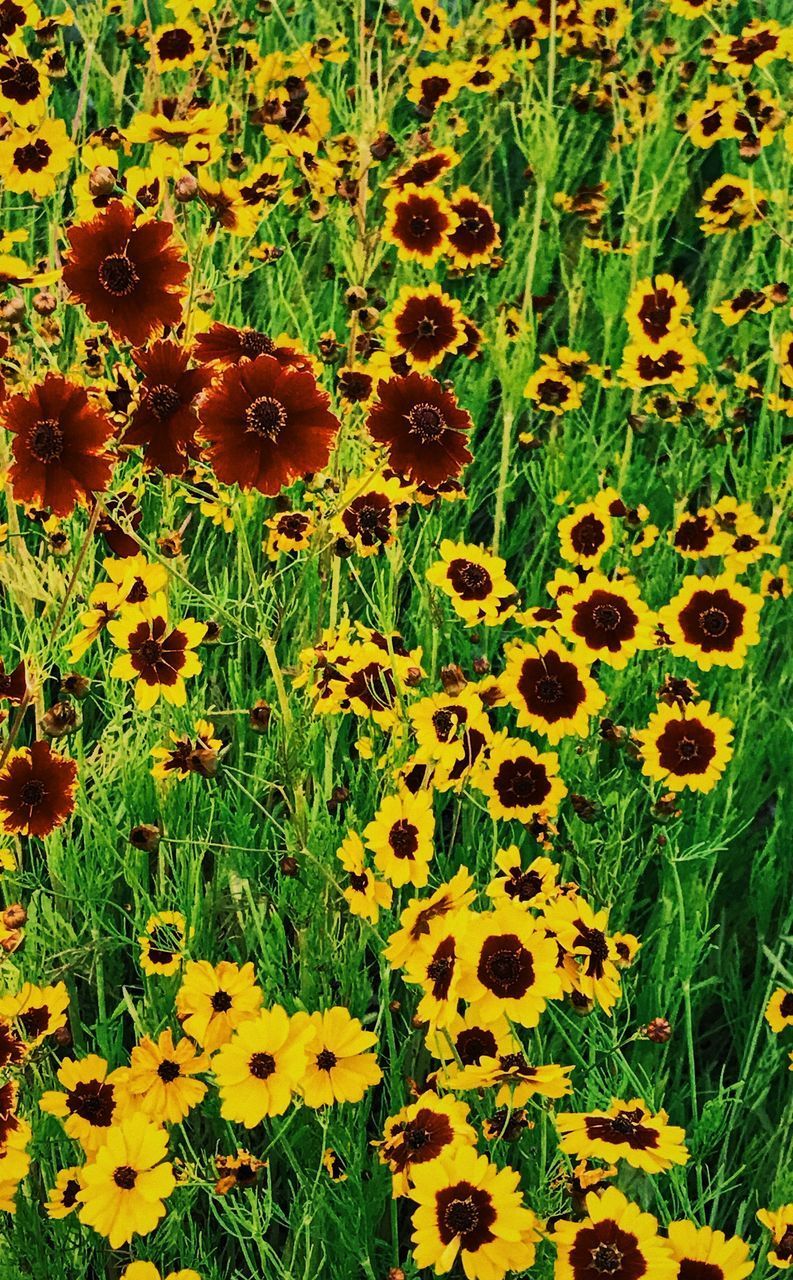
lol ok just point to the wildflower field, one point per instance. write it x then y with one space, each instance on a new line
395 412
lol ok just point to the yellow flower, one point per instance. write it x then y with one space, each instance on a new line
400 836
62 1199
779 1010
212 1002
38 1011
417 917
161 943
365 894
261 1067
627 1131
712 621
159 1079
32 159
91 1103
702 1251
434 963
582 933
338 1067
158 657
419 221
621 1239
509 966
585 535
126 1183
518 780
420 1134
177 46
551 688
606 620
529 886
780 1224
475 581
686 746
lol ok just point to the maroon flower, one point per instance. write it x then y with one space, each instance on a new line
266 425
423 428
36 790
58 447
165 421
126 274
223 345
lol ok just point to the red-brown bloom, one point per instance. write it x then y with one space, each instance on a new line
58 447
224 345
126 273
423 428
266 425
37 789
165 421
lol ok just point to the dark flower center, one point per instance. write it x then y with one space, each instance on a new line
359 882
416 1138
168 1071
549 689
45 441
261 1065
221 1001
19 80
253 343
35 1021
125 1177
505 966
12 17
32 792
471 581
175 45
117 275
784 1249
714 621
786 1006
426 327
266 417
326 1060
150 651
70 1192
426 423
588 536
461 1217
33 157
92 1101
606 616
420 225
403 839
606 1258
163 401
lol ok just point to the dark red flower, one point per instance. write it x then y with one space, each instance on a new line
266 425
36 790
423 428
165 421
13 684
58 447
476 234
126 273
223 345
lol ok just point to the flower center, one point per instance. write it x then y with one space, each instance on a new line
606 1258
461 1217
253 343
714 622
125 1177
606 616
32 792
261 1065
426 327
266 417
117 275
168 1071
221 1001
549 689
326 1060
426 423
163 401
150 651
45 441
419 225
416 1138
359 881
687 748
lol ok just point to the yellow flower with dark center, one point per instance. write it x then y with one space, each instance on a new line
626 1131
656 310
424 325
779 1010
704 1254
92 1100
529 886
213 1001
616 1240
159 657
193 138
187 755
177 46
400 836
518 780
365 895
418 915
62 1199
672 362
552 389
686 746
606 619
261 1067
338 1067
32 159
475 581
514 1079
780 1224
291 531
148 1271
451 732
161 943
712 118
38 1012
127 1182
24 89
419 222
591 956
551 689
712 621
509 966
420 1134
435 965
585 535
159 1079
471 1210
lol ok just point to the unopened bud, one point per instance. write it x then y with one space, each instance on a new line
146 837
185 188
259 716
44 303
15 916
101 181
60 719
659 1031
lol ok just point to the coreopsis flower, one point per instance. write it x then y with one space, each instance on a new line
551 688
367 517
24 89
158 657
161 944
338 1066
758 44
400 836
37 790
62 1198
419 221
417 917
422 427
148 1271
90 1102
615 1239
712 621
701 1251
32 159
626 1131
606 619
467 1041
475 581
37 1012
425 169
58 445
192 135
127 1182
780 1223
432 84
420 1134
657 308
241 1170
518 780
779 1010
127 274
12 1046
672 362
188 755
266 425
530 886
514 1078
259 1070
686 746
551 388
509 966
159 1080
451 734
581 932
165 421
224 345
424 325
698 535
475 238
177 46
471 1210
585 535
289 532
434 964
365 895
14 1164
731 203
213 1001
